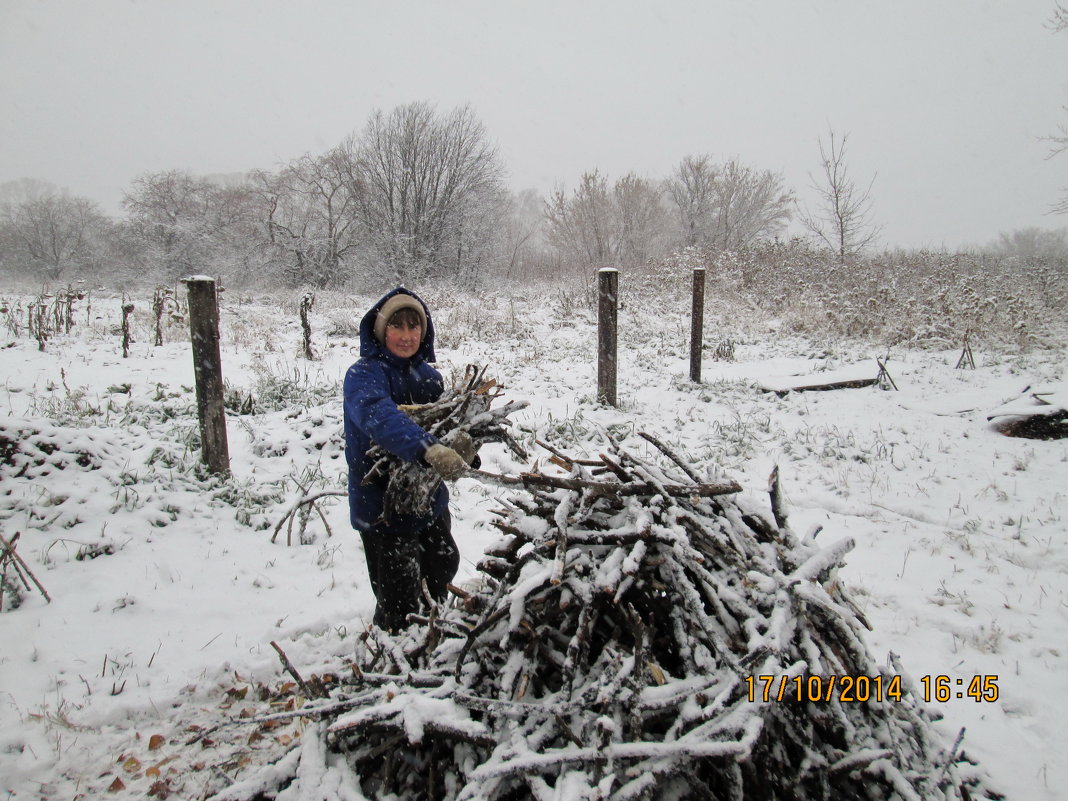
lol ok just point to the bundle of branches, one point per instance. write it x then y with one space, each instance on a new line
465 407
637 633
462 408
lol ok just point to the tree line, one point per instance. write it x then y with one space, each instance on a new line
417 194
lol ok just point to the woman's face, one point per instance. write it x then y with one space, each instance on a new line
403 338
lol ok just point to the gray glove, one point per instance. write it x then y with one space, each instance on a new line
449 464
461 442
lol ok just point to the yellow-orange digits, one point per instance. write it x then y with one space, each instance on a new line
943 688
845 688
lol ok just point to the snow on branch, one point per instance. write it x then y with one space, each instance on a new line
634 635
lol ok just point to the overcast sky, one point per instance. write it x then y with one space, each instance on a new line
945 101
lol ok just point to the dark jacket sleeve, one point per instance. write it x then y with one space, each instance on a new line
369 405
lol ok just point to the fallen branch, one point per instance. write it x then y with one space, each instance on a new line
309 692
22 570
706 490
292 511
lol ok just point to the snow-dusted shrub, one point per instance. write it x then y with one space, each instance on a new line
461 318
281 385
923 298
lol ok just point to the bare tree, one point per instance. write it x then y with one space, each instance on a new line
48 232
842 217
596 226
167 212
692 188
523 240
641 219
431 191
185 224
309 213
1034 245
748 204
584 225
727 206
1059 22
235 228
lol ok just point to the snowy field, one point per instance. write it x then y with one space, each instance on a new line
167 590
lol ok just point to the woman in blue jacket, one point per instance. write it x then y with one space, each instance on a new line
396 346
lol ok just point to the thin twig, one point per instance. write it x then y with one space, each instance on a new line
292 671
18 563
292 511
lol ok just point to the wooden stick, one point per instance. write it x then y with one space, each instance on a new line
671 455
18 563
292 671
778 509
703 490
884 373
563 456
291 512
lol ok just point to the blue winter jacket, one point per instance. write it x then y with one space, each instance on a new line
374 386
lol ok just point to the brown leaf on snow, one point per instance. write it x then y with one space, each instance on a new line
285 706
160 789
131 765
156 741
116 785
154 772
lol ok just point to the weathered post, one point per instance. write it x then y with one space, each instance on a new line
207 368
608 293
307 300
697 323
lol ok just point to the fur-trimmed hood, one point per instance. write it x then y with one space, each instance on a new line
370 345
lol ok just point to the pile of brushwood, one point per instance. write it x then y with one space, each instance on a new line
638 632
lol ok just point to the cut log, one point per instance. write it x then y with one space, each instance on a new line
855 376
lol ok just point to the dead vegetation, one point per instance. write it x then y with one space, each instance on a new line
637 632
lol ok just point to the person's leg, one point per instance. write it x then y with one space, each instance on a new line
439 557
399 592
370 555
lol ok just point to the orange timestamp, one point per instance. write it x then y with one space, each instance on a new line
843 688
944 688
862 688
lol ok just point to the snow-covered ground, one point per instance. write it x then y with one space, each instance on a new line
167 589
